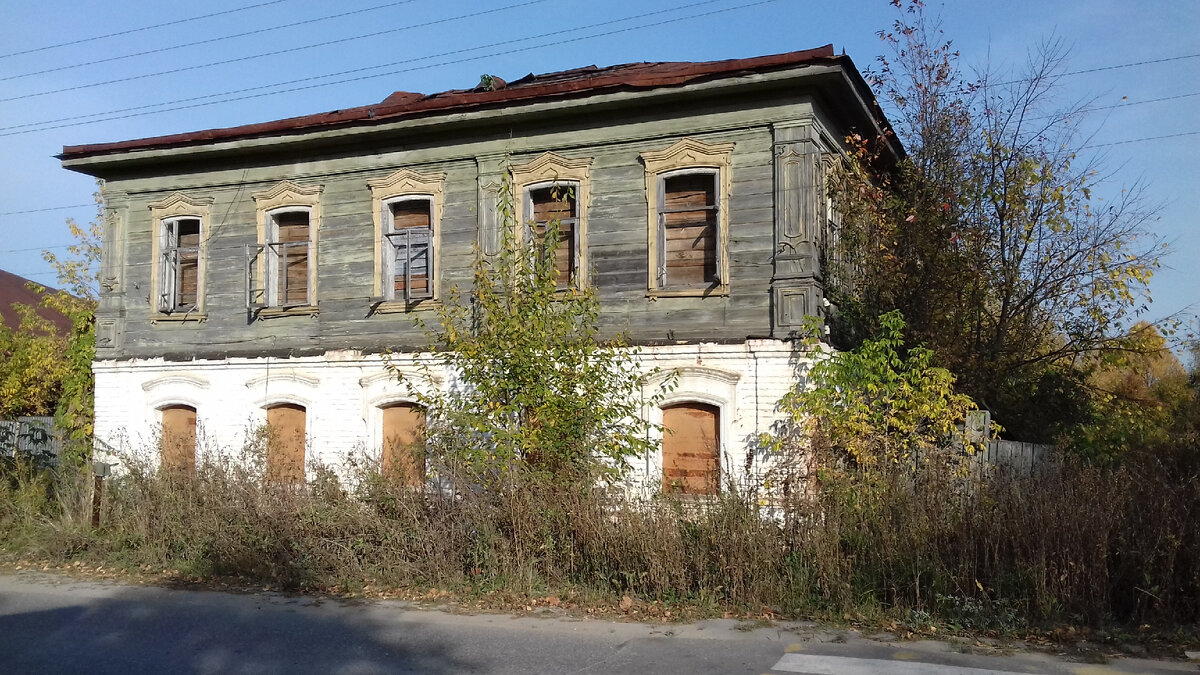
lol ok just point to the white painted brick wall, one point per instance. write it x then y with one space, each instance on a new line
342 391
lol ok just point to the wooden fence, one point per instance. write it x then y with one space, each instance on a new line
1013 455
34 438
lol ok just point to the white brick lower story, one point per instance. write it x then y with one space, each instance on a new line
344 391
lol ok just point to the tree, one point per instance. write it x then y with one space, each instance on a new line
991 237
79 276
31 366
881 405
536 387
1142 400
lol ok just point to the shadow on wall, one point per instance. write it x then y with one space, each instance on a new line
109 629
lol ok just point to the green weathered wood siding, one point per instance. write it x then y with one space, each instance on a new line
617 231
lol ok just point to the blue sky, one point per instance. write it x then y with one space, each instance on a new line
511 38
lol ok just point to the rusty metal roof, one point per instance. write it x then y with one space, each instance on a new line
13 291
529 89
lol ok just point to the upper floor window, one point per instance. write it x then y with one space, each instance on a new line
687 193
179 269
408 243
555 194
288 252
180 245
281 270
556 207
689 251
408 209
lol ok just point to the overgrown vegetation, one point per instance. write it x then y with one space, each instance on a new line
1073 542
535 384
43 372
997 237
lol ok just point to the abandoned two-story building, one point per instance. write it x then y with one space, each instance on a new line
257 273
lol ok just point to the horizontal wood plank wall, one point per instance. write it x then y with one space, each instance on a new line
617 246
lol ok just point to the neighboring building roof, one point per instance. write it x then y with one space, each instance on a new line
529 89
13 291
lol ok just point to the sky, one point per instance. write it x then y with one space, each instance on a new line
78 71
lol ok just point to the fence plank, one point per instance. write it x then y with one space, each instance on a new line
35 437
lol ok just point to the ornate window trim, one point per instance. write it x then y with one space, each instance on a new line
174 207
406 183
549 169
284 197
685 156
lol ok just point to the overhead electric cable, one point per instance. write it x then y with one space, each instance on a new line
262 55
130 31
1144 139
175 104
269 29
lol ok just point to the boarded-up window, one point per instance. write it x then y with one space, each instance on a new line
289 255
404 443
179 438
285 444
557 204
180 265
409 249
691 448
688 241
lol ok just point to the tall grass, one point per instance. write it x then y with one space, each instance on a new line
1072 542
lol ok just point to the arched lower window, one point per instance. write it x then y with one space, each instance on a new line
179 438
691 457
404 443
286 440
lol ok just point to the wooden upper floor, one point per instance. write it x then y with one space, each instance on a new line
689 196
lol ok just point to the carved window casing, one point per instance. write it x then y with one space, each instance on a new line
407 213
281 270
687 193
179 256
553 189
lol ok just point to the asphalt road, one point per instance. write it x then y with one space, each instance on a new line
50 624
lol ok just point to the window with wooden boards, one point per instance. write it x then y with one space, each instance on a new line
408 249
179 265
404 443
689 242
179 438
288 254
557 205
286 440
691 456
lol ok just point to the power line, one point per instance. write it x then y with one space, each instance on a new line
275 52
138 30
48 208
1132 64
1084 111
1144 139
270 29
176 107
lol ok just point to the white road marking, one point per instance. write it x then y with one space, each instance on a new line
844 665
